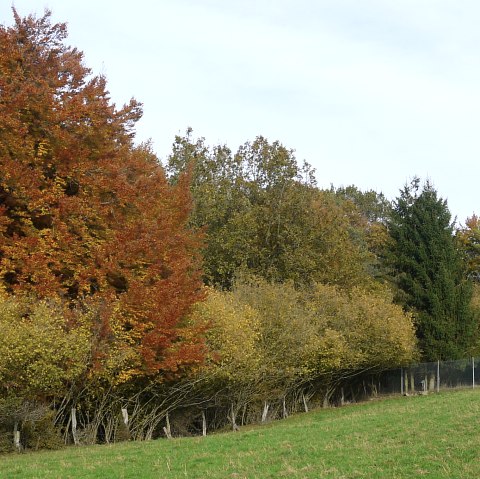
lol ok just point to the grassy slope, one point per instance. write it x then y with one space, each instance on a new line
433 436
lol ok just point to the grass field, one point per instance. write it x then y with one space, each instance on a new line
436 436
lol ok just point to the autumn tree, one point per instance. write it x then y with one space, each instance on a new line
370 331
250 205
85 215
469 239
220 206
41 356
287 335
262 213
270 341
428 269
372 205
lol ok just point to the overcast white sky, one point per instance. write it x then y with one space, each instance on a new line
370 93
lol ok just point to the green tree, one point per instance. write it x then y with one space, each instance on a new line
220 205
262 213
372 205
373 210
251 205
429 270
469 238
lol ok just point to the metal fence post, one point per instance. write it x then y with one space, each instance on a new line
473 372
438 376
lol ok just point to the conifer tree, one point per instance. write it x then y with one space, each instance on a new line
428 269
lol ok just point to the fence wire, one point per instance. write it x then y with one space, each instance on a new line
430 377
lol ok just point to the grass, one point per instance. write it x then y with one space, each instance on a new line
432 436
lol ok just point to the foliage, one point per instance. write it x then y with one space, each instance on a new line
373 206
288 339
429 271
262 214
469 238
220 205
363 329
42 433
340 243
373 210
271 338
85 216
232 336
39 354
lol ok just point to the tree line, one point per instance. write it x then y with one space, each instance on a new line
141 299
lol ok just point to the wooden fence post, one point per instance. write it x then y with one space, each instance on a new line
125 416
166 429
16 437
266 407
204 424
73 415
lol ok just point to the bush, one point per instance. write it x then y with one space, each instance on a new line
41 433
6 441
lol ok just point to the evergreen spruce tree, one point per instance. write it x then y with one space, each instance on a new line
430 273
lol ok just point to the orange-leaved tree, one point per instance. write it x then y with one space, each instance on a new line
85 215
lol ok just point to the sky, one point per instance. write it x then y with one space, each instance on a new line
370 93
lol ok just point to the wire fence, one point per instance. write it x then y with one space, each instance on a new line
430 377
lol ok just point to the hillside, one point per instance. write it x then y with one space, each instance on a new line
433 436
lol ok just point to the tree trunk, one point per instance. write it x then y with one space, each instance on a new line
285 413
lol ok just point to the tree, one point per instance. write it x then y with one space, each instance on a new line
86 216
220 208
372 205
375 333
373 210
269 342
469 238
262 213
428 269
288 338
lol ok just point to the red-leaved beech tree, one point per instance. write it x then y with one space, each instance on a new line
85 215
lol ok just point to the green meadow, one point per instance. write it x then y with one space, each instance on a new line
435 436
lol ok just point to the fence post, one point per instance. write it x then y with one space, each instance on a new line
73 416
438 376
401 381
473 372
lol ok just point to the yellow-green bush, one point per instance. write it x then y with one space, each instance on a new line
39 354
